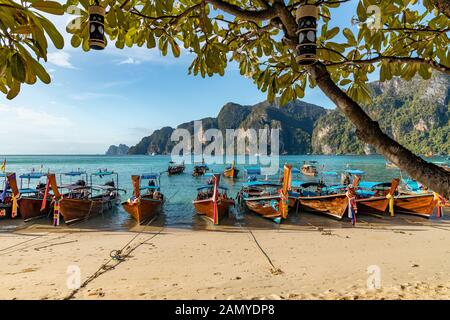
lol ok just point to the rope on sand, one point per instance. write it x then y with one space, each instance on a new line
117 256
274 270
32 245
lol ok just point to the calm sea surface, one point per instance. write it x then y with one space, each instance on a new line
179 190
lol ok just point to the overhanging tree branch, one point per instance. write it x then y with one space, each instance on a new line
393 59
443 6
251 15
370 132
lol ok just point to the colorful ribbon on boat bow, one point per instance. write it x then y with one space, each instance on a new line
352 207
391 204
440 203
15 205
56 213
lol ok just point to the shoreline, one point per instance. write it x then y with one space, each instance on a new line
310 260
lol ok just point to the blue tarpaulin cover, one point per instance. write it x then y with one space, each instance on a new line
103 173
354 171
32 175
211 186
74 173
150 176
253 170
260 183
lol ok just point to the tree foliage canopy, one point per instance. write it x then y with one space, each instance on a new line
401 37
23 41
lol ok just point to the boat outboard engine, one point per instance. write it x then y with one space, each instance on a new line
80 183
110 184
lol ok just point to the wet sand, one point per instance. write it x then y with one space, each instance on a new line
307 257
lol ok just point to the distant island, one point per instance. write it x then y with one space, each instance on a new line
119 150
416 113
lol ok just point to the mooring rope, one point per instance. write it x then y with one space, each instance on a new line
117 256
274 270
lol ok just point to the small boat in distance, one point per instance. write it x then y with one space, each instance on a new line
144 207
231 171
212 201
174 168
309 169
199 170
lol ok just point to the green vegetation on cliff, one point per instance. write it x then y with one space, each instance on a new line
415 113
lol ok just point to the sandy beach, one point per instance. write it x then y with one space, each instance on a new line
312 258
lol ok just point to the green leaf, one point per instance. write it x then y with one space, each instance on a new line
75 41
332 32
350 37
55 36
14 91
40 71
151 43
52 7
175 48
18 67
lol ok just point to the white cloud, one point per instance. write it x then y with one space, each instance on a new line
30 118
130 60
60 59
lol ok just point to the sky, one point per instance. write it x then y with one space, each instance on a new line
117 96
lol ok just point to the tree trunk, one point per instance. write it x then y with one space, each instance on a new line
443 6
432 176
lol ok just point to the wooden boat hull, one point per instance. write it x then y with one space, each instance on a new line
74 210
144 210
231 173
421 204
206 208
309 174
372 205
30 208
263 208
175 170
6 211
331 205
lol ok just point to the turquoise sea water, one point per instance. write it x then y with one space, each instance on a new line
180 190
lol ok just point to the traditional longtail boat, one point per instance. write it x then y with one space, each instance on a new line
377 198
330 201
417 204
81 203
231 171
213 202
33 202
144 207
174 168
415 199
199 170
309 169
266 198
